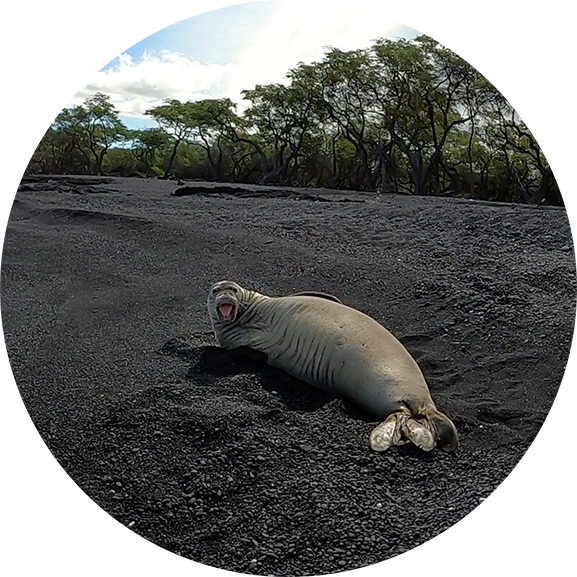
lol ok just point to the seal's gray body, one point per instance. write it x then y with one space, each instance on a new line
333 347
325 343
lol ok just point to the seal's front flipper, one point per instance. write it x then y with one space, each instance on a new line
389 433
318 295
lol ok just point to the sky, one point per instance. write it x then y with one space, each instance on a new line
57 53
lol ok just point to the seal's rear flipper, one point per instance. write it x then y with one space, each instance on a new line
426 431
389 433
420 433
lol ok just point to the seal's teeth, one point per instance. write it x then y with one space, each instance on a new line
419 434
385 435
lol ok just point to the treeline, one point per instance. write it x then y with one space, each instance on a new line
403 116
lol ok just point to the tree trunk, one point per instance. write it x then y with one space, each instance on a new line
171 159
99 162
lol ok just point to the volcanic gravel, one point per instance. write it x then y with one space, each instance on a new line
237 465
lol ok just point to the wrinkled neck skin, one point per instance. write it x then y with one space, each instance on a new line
243 331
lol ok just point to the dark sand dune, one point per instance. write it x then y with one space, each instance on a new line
260 192
237 465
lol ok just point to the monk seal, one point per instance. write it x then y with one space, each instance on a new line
319 340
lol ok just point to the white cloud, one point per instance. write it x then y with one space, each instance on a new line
286 38
7 129
503 28
136 86
286 32
76 43
301 30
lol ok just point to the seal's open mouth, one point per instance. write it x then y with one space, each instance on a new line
226 312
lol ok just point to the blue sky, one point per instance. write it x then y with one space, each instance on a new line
56 53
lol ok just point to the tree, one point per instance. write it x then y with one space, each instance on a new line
213 121
101 126
282 116
343 80
540 85
77 139
147 144
174 117
47 142
69 141
456 101
417 96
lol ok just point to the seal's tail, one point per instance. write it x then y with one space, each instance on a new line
446 432
427 429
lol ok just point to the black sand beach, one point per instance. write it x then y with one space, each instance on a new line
234 464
